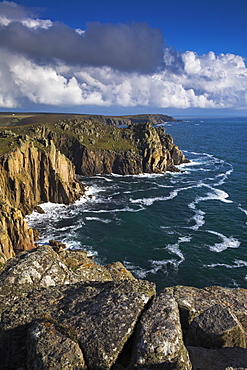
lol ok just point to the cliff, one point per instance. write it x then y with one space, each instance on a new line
30 173
96 147
60 310
38 163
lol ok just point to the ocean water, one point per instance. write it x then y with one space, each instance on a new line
187 228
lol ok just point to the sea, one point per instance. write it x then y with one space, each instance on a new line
186 228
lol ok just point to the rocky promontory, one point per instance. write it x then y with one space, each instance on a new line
61 310
39 163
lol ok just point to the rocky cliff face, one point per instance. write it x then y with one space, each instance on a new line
31 174
98 148
37 165
63 311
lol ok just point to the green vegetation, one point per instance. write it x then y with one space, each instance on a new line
7 144
93 135
93 131
12 119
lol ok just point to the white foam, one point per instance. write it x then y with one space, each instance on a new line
199 220
103 220
184 239
150 201
174 248
236 264
217 194
115 210
227 242
162 264
53 211
136 270
242 210
223 176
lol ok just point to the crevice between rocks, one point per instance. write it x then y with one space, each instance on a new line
125 356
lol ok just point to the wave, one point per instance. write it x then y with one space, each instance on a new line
158 265
217 194
114 210
103 220
199 220
242 210
227 242
138 271
150 201
236 264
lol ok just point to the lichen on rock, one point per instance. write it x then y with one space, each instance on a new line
62 307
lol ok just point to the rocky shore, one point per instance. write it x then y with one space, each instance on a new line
39 163
61 310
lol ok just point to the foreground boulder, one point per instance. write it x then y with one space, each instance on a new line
50 348
159 337
61 310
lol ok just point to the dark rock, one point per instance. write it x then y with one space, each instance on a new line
39 209
193 301
83 267
43 267
50 347
118 271
102 316
57 246
218 359
216 327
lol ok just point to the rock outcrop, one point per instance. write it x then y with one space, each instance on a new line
31 173
99 148
64 311
38 164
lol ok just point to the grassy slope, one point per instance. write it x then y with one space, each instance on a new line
98 136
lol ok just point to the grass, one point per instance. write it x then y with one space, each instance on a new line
7 144
92 134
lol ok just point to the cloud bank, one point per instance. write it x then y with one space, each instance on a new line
128 65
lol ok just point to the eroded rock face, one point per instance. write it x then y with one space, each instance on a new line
30 175
95 147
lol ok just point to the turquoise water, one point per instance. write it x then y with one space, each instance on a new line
186 228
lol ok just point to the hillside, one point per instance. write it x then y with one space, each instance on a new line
19 119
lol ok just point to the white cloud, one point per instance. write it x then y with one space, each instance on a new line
185 80
215 82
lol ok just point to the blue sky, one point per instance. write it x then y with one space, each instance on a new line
124 57
197 25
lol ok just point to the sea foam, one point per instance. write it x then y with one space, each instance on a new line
227 242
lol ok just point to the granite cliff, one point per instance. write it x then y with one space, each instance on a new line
96 147
38 163
60 310
30 173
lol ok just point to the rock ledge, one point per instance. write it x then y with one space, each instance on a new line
61 310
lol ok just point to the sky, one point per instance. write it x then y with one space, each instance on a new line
182 58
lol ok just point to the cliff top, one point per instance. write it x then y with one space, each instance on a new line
18 119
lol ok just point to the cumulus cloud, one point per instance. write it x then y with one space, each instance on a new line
49 63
